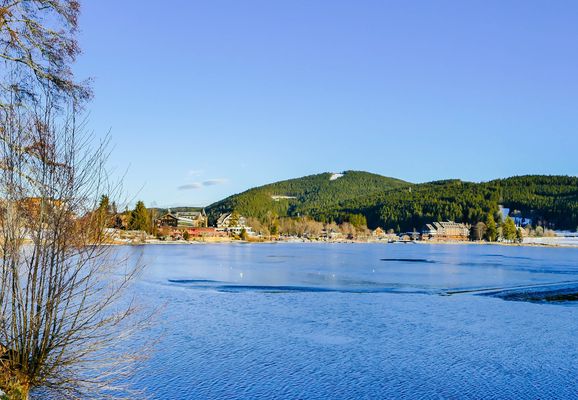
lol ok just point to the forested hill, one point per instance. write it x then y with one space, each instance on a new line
314 195
550 201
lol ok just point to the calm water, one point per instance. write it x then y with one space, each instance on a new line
356 321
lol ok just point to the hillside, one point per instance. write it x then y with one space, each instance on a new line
550 201
315 195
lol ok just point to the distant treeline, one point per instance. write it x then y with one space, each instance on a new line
550 201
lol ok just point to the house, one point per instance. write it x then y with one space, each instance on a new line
229 220
332 233
187 219
168 220
234 223
447 230
408 236
378 232
428 232
196 219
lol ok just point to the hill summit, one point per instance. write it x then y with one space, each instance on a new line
313 195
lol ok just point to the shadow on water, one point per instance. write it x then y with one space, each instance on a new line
541 294
311 289
280 256
409 260
192 281
504 256
218 286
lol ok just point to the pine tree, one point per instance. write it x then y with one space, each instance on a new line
102 212
139 218
509 230
357 220
104 203
491 229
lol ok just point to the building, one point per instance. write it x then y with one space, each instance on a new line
428 232
447 230
378 232
409 236
196 219
229 220
186 219
168 220
234 223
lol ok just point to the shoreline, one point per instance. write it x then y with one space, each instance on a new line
381 242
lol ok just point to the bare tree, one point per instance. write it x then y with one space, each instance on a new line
38 45
258 226
63 319
478 231
313 228
348 230
63 316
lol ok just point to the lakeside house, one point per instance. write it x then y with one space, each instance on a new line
233 223
409 236
228 220
447 230
187 219
194 224
378 232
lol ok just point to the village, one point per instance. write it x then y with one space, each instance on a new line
194 226
188 225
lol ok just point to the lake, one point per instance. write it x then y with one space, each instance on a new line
361 321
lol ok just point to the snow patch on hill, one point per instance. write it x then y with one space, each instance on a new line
277 198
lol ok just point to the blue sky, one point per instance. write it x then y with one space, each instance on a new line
206 99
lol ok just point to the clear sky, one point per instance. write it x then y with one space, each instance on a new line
209 98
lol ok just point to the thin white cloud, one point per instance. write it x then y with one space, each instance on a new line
190 186
200 185
213 182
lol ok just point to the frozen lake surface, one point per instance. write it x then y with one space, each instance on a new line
361 321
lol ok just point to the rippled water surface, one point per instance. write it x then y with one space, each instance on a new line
361 321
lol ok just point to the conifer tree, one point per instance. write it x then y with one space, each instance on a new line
139 218
491 229
509 230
